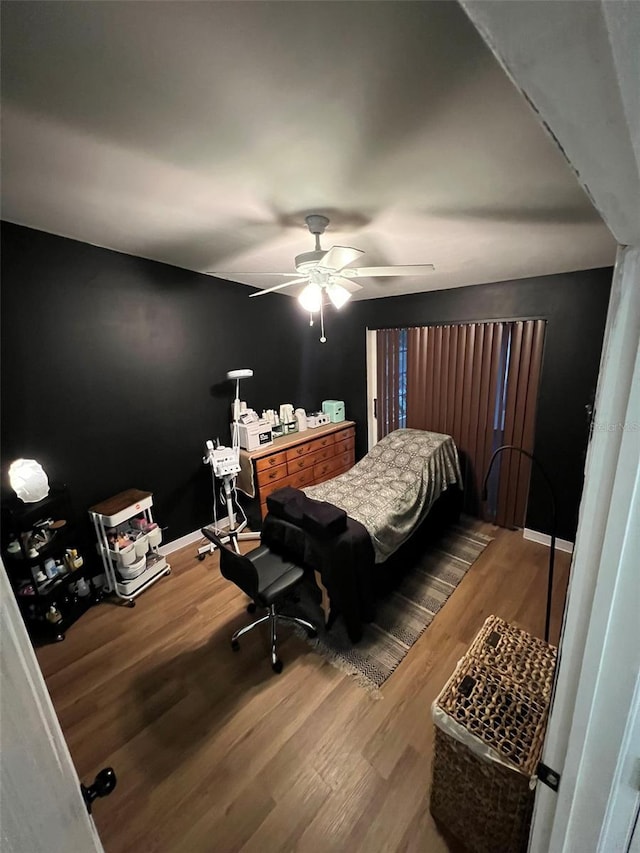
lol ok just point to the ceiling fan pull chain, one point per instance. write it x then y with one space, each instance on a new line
323 340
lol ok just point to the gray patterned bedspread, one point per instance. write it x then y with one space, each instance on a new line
394 486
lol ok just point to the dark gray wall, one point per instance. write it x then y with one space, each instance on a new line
113 367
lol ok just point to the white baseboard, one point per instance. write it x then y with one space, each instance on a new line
182 542
545 539
187 539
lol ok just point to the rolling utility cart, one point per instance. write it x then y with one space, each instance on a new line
138 565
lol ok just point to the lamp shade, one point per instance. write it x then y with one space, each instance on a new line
338 294
28 480
311 298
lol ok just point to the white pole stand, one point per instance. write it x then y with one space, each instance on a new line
233 533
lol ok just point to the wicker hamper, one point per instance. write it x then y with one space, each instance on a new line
490 721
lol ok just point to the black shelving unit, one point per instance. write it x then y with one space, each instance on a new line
19 520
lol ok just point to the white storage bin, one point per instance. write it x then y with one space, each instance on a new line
141 545
154 537
125 556
135 569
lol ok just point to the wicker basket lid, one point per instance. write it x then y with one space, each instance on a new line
494 716
514 653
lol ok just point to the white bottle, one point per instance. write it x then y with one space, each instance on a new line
82 588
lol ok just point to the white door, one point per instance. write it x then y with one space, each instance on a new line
41 807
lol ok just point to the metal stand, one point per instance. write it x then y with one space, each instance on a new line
552 496
233 533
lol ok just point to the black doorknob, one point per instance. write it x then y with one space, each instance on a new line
103 785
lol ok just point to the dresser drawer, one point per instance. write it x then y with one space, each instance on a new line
270 475
296 481
327 469
266 462
345 459
343 444
343 435
330 474
310 459
309 447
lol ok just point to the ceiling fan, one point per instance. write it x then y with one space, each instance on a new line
329 272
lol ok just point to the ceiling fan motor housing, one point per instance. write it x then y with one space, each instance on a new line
308 260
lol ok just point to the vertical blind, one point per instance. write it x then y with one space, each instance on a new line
477 382
389 380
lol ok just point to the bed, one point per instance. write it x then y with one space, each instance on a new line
384 498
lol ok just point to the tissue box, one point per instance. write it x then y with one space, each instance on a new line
254 435
335 410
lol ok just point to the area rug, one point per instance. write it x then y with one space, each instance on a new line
406 612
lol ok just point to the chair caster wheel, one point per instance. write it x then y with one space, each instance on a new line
251 608
312 634
201 557
277 666
235 645
131 603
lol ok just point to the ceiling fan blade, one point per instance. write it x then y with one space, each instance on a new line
339 256
349 283
403 269
225 274
279 286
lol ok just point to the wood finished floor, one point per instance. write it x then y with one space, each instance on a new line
214 752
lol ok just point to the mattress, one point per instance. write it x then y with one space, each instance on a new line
391 490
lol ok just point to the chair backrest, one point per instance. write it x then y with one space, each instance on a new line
235 567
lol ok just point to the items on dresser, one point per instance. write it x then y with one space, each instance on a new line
317 419
128 540
335 410
255 434
298 460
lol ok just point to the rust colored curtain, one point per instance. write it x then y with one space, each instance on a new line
478 382
388 391
523 377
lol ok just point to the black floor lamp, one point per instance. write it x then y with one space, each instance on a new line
552 549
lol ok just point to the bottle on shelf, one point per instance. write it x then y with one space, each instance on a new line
53 615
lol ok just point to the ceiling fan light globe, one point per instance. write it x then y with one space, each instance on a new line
311 298
338 294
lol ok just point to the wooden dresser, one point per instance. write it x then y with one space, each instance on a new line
298 460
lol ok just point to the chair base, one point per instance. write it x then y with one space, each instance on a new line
273 618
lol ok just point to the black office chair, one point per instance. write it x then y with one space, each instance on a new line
264 577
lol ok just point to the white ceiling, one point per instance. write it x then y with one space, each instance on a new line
200 134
